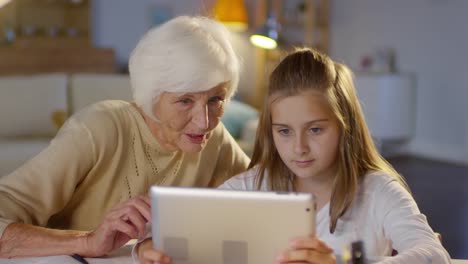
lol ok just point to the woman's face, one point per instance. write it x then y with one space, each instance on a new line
186 120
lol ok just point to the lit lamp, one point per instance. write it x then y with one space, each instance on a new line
8 31
267 35
4 2
232 13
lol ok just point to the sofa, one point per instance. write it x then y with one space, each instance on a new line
32 109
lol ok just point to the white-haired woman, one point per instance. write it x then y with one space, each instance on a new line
85 193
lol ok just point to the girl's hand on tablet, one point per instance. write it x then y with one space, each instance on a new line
148 255
307 250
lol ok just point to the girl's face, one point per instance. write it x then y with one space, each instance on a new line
306 135
186 120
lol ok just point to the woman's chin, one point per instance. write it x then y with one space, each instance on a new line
192 144
191 147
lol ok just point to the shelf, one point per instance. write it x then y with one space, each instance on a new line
51 36
35 60
38 18
51 42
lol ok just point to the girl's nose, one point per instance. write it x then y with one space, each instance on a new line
300 144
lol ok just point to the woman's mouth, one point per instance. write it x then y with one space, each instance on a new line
196 138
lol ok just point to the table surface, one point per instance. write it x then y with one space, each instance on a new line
119 256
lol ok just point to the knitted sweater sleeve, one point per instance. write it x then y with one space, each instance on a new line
42 186
231 159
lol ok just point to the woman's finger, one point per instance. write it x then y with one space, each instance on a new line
124 227
146 199
137 220
138 204
142 205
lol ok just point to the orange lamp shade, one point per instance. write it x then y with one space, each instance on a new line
232 13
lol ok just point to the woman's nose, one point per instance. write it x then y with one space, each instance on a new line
200 117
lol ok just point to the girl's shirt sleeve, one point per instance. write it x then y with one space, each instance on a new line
406 227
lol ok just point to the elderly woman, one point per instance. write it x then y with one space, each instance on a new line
97 170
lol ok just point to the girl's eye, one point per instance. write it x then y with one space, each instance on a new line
284 132
315 130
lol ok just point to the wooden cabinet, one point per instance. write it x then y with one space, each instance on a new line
55 19
50 36
303 23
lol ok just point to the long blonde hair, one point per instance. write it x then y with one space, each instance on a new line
304 70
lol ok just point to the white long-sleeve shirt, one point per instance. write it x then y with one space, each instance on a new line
383 215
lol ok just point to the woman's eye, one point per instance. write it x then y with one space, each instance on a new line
185 101
216 99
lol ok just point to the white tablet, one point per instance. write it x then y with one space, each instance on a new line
209 226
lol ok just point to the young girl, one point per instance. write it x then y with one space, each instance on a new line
312 137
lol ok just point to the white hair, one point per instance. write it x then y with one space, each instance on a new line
184 55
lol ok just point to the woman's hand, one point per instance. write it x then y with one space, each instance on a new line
124 222
148 255
307 250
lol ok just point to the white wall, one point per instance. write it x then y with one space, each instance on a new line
430 38
120 24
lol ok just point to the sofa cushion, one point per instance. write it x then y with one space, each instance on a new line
236 115
15 152
86 89
27 104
